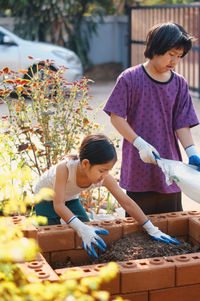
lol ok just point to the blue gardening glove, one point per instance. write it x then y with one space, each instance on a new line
193 156
89 235
155 233
145 150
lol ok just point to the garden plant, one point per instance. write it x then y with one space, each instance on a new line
15 248
30 141
47 118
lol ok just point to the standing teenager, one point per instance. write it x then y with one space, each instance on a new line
89 169
152 109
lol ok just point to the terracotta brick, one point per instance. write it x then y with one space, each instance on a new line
37 271
146 274
185 293
46 256
187 268
13 220
130 225
143 296
112 286
193 213
30 231
115 230
85 271
76 256
178 223
54 238
194 228
177 214
194 241
159 220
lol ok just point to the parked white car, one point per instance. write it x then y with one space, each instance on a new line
14 53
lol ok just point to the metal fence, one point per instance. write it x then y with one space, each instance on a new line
142 18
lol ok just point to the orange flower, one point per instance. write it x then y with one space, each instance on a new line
30 57
23 71
19 88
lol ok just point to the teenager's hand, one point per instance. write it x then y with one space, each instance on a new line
89 235
193 156
155 233
145 150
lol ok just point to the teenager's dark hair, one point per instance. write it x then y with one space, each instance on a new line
165 36
98 149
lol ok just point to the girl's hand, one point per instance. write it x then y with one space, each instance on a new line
155 233
193 156
145 150
89 235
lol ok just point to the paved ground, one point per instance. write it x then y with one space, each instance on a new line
100 92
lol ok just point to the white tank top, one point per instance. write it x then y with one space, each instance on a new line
72 190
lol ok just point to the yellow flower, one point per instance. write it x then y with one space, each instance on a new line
109 271
101 295
91 282
46 194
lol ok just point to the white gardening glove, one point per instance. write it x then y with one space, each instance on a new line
89 235
145 150
155 233
193 156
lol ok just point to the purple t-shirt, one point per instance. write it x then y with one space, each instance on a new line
154 110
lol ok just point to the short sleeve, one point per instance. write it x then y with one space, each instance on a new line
118 100
184 113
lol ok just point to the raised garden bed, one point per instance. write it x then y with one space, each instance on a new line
137 245
163 277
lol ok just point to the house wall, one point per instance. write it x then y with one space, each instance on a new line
110 44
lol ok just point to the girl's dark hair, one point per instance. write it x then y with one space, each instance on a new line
165 36
98 149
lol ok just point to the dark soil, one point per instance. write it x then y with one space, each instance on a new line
137 245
